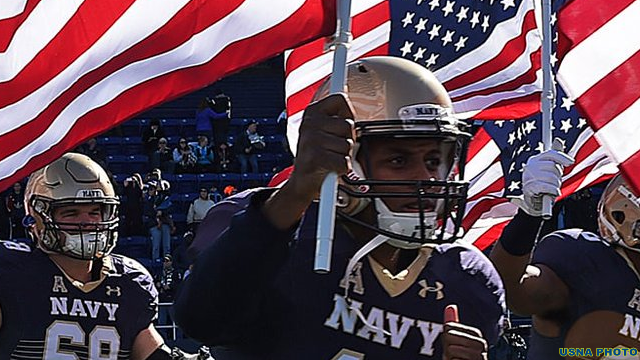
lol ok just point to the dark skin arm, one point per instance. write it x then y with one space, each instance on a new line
324 145
530 289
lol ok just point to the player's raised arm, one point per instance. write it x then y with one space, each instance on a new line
529 288
325 145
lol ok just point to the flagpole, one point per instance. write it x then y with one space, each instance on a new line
548 95
329 189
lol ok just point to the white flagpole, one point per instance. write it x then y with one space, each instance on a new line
329 190
548 95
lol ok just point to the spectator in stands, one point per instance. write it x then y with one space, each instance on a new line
162 158
161 233
15 207
181 259
95 152
215 195
225 158
184 157
282 122
157 219
132 207
204 154
198 209
250 143
230 190
164 186
167 282
222 117
5 225
205 116
151 135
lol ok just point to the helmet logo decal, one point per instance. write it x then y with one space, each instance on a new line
90 193
423 111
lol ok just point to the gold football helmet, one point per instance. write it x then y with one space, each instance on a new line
619 214
397 98
74 179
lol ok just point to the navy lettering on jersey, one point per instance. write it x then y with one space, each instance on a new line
298 314
45 316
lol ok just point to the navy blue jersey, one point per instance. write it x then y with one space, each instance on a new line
255 295
604 289
46 316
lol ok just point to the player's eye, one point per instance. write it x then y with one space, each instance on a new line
432 164
397 160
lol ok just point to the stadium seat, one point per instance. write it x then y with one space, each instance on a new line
266 177
208 180
267 161
187 127
250 180
229 179
134 246
274 143
171 127
110 144
131 128
117 164
267 126
138 163
132 145
185 183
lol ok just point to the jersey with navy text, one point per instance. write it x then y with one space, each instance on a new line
47 316
284 310
604 294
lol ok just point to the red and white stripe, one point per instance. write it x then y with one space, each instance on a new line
309 64
488 212
502 78
600 70
71 69
499 80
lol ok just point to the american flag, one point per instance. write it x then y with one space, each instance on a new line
72 69
600 68
487 54
500 148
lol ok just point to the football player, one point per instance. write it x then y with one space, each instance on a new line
69 297
253 292
582 289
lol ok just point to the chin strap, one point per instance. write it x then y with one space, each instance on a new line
164 353
361 253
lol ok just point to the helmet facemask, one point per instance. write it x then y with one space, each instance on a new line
619 215
67 188
84 241
413 211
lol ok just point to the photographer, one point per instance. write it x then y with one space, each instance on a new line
250 143
167 283
133 205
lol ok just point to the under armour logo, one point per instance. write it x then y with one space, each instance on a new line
427 289
113 290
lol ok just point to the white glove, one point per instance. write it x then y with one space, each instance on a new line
542 176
